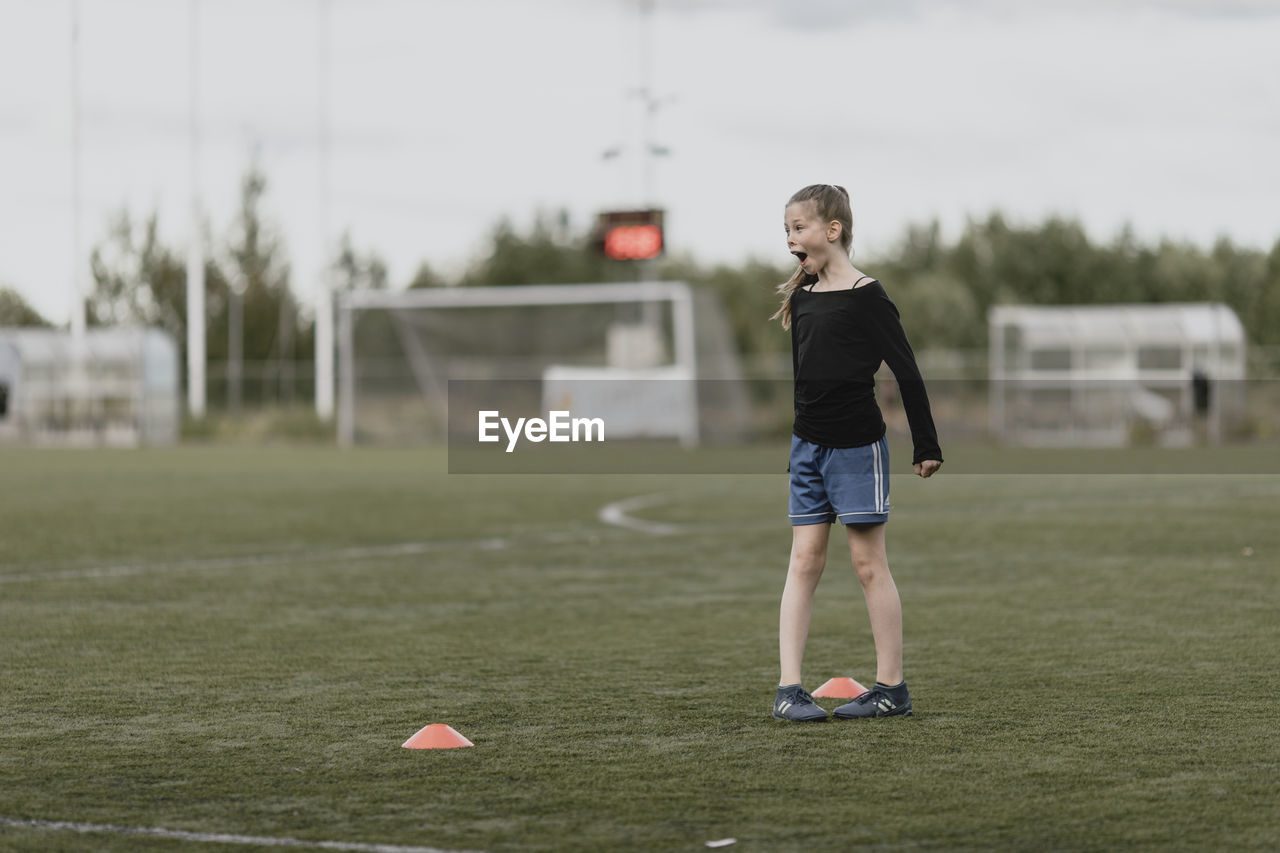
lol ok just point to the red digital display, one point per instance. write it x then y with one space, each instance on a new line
633 242
630 235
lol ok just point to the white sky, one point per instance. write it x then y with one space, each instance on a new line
448 114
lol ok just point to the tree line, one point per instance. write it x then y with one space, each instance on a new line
944 287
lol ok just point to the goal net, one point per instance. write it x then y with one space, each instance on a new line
633 351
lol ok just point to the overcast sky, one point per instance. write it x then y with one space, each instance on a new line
446 115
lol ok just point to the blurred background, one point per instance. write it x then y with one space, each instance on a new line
237 178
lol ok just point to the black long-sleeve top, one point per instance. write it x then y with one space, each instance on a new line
838 340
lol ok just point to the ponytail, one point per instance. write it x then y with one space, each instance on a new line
798 279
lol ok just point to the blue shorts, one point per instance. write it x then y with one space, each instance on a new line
845 484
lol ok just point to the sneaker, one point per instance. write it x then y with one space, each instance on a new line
879 701
795 704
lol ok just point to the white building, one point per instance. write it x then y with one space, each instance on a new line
1109 375
117 387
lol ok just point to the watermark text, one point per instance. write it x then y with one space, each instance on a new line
559 426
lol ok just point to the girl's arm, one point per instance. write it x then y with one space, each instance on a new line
897 353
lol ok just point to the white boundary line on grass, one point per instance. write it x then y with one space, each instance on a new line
215 837
404 549
616 514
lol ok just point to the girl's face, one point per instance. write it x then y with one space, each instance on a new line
808 237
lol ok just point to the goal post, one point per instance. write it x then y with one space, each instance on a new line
399 350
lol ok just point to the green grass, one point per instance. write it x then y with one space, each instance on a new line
1094 660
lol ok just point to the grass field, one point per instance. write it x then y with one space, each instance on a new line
231 640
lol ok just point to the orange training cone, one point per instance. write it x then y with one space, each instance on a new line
436 736
840 688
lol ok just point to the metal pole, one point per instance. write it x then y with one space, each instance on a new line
648 101
324 290
77 262
77 397
195 241
649 105
686 352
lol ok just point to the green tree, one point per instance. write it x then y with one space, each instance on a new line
552 253
16 311
257 266
273 328
940 312
354 270
749 293
1055 262
945 289
426 276
1263 318
140 280
137 279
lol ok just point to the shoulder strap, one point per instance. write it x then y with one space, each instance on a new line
864 278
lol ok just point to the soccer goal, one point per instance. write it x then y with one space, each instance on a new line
630 351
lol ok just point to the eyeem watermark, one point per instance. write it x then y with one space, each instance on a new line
559 426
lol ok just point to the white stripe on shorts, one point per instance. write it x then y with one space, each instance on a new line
875 452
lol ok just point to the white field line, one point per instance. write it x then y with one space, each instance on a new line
613 514
404 549
616 514
214 837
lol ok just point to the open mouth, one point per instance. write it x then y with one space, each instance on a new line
800 256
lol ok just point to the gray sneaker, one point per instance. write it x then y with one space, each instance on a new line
879 701
796 705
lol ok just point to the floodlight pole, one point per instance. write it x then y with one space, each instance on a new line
195 241
649 106
80 398
324 332
649 150
77 262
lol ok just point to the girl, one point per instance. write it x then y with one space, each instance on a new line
843 325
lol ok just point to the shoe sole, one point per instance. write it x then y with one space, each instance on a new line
821 719
906 713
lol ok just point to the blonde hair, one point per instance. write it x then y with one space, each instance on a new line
831 203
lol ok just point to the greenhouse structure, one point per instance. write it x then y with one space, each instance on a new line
1115 375
116 387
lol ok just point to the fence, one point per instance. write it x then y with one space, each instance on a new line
957 381
233 388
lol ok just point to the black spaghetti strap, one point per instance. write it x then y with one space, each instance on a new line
864 278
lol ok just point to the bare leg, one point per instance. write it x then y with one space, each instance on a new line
870 562
808 558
